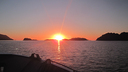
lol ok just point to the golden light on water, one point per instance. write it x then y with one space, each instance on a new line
58 50
58 46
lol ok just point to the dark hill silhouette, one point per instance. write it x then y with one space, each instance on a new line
4 37
78 39
27 39
30 39
114 37
124 36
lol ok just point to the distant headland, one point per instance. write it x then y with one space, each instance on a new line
114 37
5 37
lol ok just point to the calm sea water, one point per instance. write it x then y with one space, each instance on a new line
84 56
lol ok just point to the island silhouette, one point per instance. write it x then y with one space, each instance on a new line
29 39
78 39
114 37
5 37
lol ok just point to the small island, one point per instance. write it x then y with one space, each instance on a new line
29 39
78 39
114 37
50 40
5 37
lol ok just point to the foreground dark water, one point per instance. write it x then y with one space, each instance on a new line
84 56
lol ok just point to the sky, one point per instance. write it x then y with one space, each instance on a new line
41 19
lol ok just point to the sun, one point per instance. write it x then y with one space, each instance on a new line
58 37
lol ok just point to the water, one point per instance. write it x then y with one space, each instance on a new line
84 56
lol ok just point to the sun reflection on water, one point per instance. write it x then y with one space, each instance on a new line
58 46
58 49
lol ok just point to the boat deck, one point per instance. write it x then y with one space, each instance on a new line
16 63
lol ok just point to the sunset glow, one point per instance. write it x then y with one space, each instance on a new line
58 37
